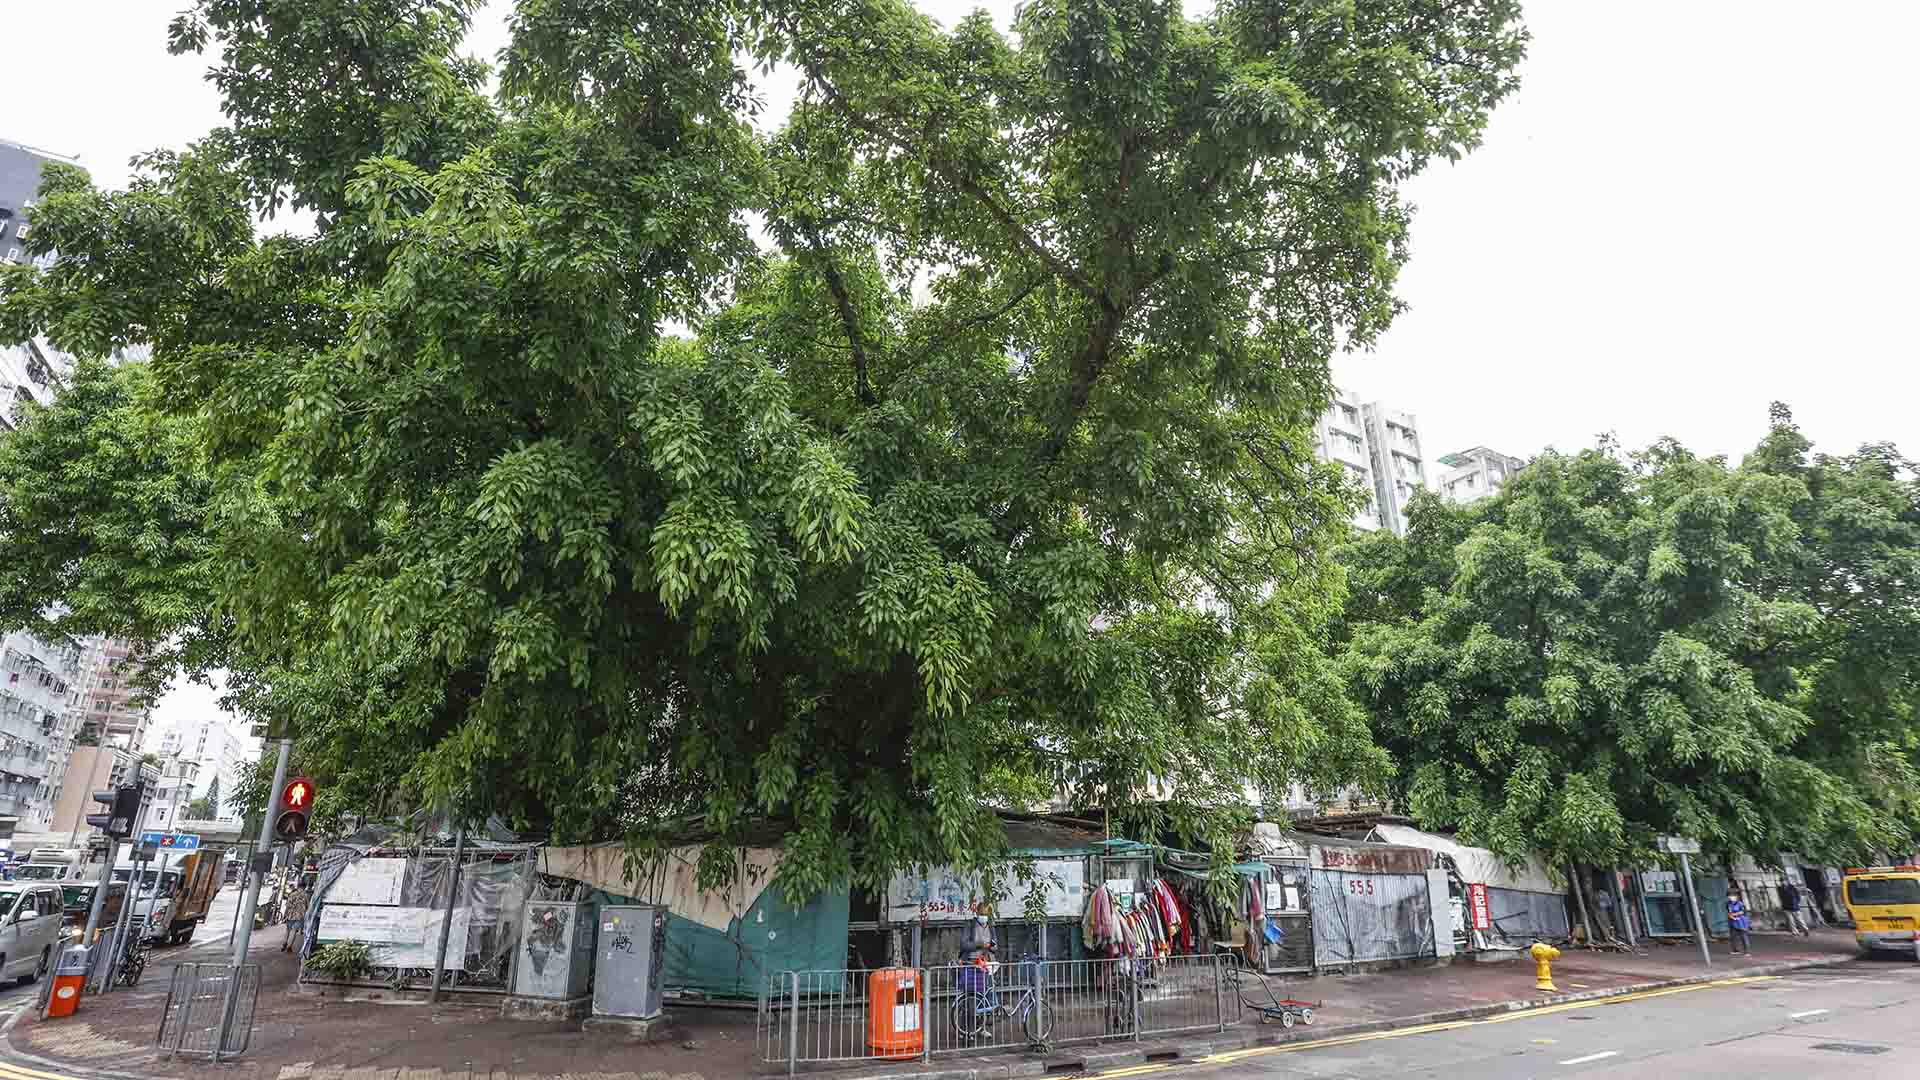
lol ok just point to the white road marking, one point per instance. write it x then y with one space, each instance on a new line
1809 1012
1590 1057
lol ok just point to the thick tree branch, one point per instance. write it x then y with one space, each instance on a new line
1009 224
849 319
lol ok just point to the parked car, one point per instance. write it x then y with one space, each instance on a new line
29 929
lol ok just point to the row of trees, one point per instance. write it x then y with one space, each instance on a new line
1620 646
975 470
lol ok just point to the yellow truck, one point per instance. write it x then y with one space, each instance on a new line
1885 904
175 892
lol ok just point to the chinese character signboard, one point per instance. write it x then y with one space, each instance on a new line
1482 911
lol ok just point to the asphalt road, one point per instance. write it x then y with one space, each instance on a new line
1853 1021
217 928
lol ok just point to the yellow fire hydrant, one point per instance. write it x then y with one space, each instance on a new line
1543 957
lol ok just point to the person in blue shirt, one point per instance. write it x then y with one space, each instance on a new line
1739 928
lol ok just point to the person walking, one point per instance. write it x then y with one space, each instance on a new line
1796 917
1739 928
295 914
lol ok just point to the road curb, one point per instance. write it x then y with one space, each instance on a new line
1098 1059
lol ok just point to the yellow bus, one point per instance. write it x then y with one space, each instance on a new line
1885 904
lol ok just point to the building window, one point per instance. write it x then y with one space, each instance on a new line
1351 415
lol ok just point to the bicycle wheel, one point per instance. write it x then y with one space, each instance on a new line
1036 1020
971 1015
1120 1010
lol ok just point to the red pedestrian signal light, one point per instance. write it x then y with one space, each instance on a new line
294 812
297 795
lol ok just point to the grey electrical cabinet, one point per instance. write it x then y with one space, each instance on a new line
556 950
631 952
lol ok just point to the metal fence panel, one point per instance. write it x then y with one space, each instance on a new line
1186 993
198 999
810 1017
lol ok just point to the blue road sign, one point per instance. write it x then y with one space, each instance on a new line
177 841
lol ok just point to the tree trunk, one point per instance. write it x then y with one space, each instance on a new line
1580 899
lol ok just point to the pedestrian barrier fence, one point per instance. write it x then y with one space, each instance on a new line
209 1011
808 1017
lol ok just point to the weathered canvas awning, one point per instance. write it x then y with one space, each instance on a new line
1477 866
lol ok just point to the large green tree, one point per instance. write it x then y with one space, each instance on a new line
1619 647
984 478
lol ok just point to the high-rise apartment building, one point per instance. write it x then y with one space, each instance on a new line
1474 474
32 371
40 687
1341 437
1380 448
217 751
115 710
1399 465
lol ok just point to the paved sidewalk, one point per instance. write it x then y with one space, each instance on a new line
299 1037
303 1037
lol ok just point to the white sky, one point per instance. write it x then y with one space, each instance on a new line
1692 208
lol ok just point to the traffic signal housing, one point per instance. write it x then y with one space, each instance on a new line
123 806
293 809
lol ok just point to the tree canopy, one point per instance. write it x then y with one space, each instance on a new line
1617 647
608 462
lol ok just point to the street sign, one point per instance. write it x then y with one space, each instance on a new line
1478 906
171 841
1679 845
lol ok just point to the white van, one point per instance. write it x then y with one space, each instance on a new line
29 929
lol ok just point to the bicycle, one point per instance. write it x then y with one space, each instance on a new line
1124 980
132 960
978 1003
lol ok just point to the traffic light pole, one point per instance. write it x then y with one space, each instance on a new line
250 900
100 894
249 903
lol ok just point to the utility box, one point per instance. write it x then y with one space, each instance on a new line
556 950
632 950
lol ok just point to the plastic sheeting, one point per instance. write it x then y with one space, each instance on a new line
1359 918
1518 918
770 936
404 937
1477 866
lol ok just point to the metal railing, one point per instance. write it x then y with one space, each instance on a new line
813 1017
197 1002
